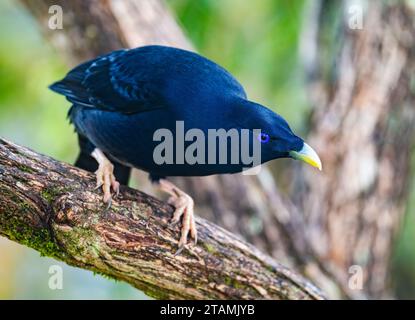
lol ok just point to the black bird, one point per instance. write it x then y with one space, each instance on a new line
121 99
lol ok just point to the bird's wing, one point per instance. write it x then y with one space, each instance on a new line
109 83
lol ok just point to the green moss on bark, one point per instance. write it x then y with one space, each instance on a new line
39 239
15 218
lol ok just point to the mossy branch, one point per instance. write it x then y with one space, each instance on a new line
52 207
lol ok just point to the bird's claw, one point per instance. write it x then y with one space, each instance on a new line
179 250
106 180
172 223
184 209
98 186
109 203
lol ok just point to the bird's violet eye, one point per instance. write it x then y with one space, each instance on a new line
263 137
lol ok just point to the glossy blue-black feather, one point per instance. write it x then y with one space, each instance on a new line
141 79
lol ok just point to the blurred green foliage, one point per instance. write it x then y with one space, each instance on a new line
403 266
29 113
256 40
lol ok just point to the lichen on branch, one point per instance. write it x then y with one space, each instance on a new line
54 208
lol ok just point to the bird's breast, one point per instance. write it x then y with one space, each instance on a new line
166 143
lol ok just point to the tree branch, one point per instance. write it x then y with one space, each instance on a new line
53 208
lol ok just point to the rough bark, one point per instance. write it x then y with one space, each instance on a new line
55 209
362 126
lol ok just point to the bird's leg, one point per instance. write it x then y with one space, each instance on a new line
105 176
184 207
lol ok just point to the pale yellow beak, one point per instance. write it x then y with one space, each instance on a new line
308 155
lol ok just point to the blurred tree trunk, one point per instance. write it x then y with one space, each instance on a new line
361 85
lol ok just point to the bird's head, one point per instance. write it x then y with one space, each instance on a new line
277 139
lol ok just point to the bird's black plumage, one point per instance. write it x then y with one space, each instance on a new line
120 100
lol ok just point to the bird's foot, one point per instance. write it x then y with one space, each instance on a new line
105 177
184 208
